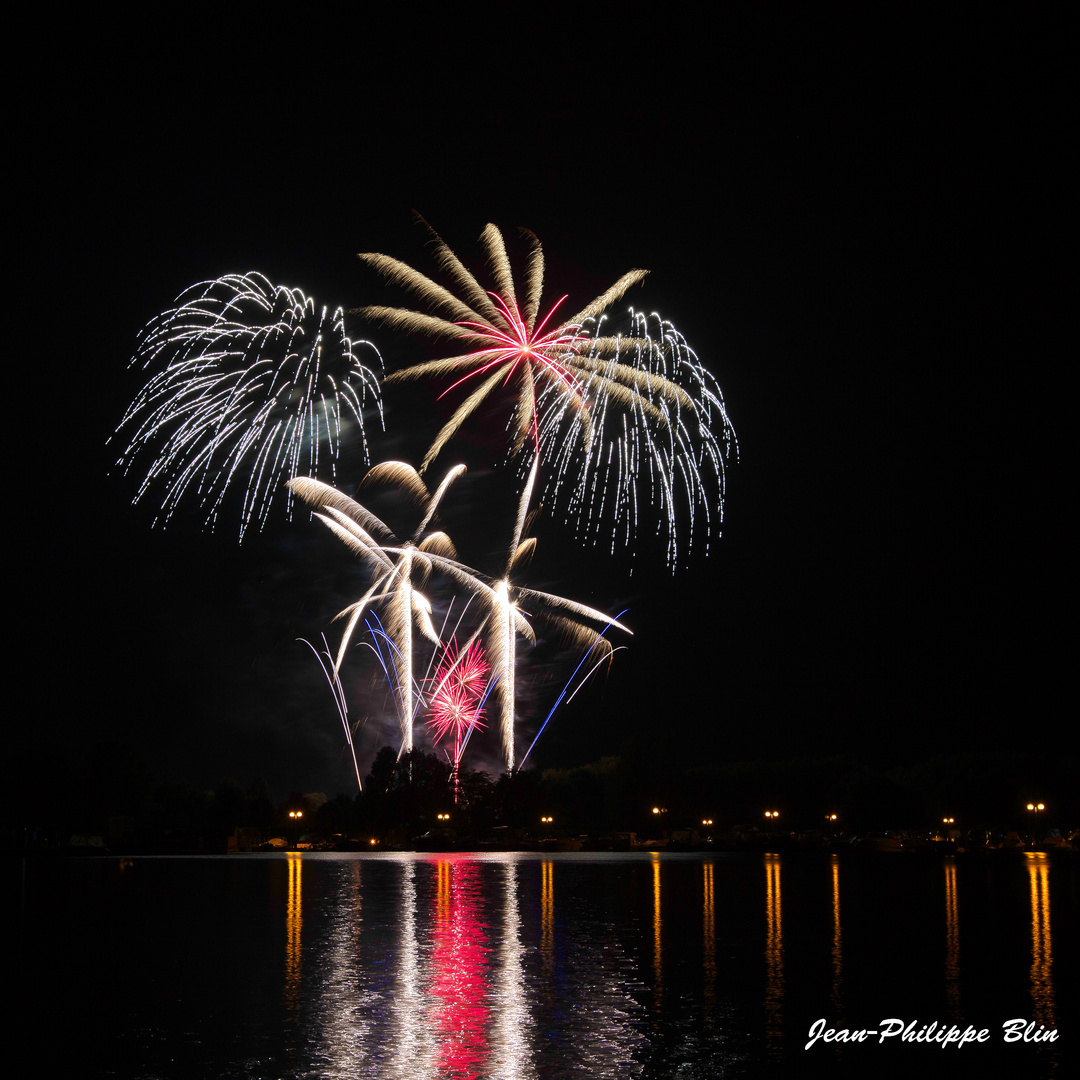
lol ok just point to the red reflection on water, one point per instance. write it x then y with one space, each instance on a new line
458 965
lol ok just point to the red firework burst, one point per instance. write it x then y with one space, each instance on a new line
523 346
455 705
509 345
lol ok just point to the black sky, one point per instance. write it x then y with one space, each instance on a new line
857 219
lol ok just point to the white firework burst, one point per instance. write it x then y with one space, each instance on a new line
645 452
251 384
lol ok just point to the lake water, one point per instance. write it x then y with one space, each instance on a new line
533 966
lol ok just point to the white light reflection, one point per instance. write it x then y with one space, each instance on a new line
510 1058
455 971
412 1040
343 1033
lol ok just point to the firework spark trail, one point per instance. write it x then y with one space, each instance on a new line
249 382
339 701
391 670
504 614
588 675
629 459
393 663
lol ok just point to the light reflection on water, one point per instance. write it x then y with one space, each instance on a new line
952 941
708 940
294 921
445 985
658 969
774 958
510 1044
1042 982
528 967
837 954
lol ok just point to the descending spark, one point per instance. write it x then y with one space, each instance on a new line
340 701
566 616
250 384
394 668
566 688
629 461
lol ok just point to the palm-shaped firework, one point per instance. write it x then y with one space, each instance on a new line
399 569
503 341
396 569
251 384
622 419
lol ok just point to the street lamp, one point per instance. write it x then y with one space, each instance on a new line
294 819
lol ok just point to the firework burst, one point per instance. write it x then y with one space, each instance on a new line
503 339
252 383
623 421
399 570
456 702
627 463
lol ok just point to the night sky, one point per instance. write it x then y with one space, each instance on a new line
858 220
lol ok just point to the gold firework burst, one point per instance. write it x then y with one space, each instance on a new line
504 341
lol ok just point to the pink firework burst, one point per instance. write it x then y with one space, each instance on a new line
523 346
509 342
456 702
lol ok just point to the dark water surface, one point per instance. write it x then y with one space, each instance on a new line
532 966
